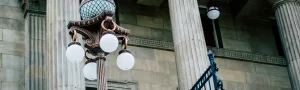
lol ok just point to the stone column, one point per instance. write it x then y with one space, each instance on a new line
62 74
35 38
287 14
35 73
189 42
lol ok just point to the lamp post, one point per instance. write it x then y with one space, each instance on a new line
213 13
102 37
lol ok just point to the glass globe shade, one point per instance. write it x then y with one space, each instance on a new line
213 13
90 71
109 43
125 61
75 53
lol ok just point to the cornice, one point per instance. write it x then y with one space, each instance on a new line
224 53
247 56
34 6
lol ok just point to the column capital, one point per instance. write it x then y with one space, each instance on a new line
34 6
276 3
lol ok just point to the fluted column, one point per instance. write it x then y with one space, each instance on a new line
189 42
35 27
62 74
287 14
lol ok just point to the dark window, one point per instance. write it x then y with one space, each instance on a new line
277 38
208 30
90 88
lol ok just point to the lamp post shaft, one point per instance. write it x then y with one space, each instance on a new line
101 77
215 34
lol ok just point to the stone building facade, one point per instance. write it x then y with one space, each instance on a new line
258 45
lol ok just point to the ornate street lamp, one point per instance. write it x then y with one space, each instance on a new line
102 37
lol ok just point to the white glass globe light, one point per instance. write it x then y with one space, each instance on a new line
125 61
109 43
213 13
90 71
75 53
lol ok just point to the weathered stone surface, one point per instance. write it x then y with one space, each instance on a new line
230 75
226 21
150 2
236 45
142 53
154 66
138 64
2 75
228 33
13 75
161 34
14 36
13 62
221 62
163 55
173 69
11 3
127 7
260 79
12 48
167 24
240 66
268 48
283 82
114 73
173 80
163 67
252 87
161 79
11 12
1 34
247 35
142 76
230 85
11 24
148 11
136 30
271 70
127 18
154 22
12 86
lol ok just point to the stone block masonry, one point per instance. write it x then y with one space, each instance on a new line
12 47
242 75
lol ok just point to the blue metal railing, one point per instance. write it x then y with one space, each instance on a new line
210 72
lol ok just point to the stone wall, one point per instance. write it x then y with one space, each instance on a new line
247 34
153 70
241 75
145 21
12 46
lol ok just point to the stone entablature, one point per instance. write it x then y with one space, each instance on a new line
245 56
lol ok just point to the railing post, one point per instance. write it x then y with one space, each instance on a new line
213 68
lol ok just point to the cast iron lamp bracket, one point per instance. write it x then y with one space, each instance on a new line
102 35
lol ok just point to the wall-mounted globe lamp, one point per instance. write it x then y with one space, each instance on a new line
212 11
102 36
